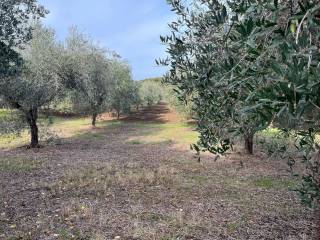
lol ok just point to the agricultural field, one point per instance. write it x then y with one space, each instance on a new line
135 178
159 120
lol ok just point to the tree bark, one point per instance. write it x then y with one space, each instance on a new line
94 119
118 114
32 117
248 143
96 108
317 219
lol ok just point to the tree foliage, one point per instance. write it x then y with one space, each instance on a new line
15 31
125 93
87 69
184 107
250 63
15 20
151 91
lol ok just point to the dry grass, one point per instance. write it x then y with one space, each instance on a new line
18 164
60 128
111 183
101 180
175 133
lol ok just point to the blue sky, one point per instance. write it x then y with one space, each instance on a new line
129 27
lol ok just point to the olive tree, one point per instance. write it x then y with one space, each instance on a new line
151 91
251 62
97 88
184 108
87 69
136 98
284 46
125 91
35 83
203 69
16 17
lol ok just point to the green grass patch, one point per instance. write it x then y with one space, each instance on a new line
14 140
135 142
234 226
80 127
264 183
74 122
18 164
90 135
166 133
4 113
200 180
67 127
270 183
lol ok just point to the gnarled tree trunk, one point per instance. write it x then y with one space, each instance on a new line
248 143
94 119
32 117
317 219
96 108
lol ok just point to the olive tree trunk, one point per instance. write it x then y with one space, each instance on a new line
317 219
94 119
248 143
32 117
96 109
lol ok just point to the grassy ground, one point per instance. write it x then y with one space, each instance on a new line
134 179
58 127
179 133
80 127
3 112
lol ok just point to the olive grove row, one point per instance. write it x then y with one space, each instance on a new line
37 71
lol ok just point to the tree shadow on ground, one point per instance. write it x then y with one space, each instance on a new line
154 113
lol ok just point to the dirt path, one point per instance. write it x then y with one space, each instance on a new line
99 185
159 113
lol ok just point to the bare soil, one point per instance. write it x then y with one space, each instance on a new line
100 186
160 113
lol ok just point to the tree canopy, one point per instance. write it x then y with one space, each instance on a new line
248 64
16 17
